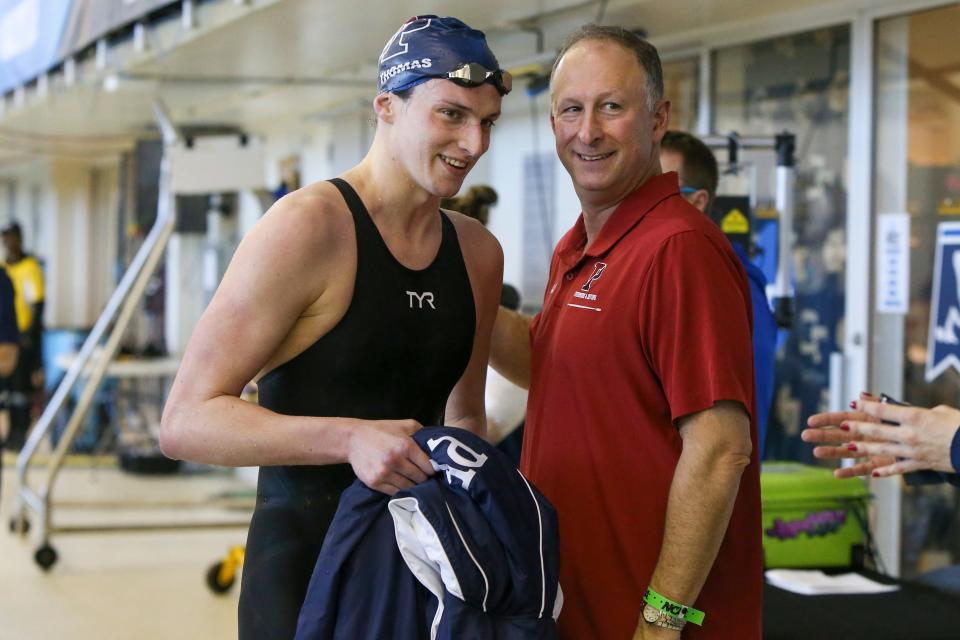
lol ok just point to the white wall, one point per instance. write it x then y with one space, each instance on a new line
77 238
69 214
183 264
516 135
25 195
103 229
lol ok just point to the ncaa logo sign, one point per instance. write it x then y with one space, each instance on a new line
943 348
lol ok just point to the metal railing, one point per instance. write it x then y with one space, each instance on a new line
90 366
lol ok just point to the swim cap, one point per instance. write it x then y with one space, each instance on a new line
428 47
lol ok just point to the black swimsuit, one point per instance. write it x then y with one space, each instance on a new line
397 353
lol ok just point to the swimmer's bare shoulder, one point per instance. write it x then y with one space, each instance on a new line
282 271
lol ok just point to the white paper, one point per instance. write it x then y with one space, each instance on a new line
893 262
817 583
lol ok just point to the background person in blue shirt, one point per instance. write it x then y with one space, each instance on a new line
697 168
9 347
26 381
9 334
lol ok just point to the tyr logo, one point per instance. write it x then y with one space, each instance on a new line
598 270
426 296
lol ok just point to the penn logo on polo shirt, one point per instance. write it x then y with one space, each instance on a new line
425 298
583 294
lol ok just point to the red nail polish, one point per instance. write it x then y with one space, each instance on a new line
875 474
844 426
851 447
853 404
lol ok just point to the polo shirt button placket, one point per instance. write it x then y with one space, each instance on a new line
560 290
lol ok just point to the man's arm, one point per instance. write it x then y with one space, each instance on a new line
510 347
35 297
716 450
247 319
484 259
36 345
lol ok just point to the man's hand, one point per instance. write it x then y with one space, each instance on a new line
385 457
646 631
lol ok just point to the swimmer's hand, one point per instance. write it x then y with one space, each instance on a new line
385 457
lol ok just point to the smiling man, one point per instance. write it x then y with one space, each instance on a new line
639 426
363 310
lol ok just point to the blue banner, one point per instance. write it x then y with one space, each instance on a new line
30 34
943 341
91 20
37 35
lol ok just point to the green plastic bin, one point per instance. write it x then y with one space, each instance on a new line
810 518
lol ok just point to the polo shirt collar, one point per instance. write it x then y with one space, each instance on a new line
627 214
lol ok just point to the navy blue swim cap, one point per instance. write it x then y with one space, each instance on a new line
428 47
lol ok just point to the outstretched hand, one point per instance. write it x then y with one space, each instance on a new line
921 438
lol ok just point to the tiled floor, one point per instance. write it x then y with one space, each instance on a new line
129 585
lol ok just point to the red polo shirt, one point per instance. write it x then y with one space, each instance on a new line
651 323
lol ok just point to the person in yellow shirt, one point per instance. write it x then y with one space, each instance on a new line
26 274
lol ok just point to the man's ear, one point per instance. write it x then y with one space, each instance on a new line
700 199
661 119
385 106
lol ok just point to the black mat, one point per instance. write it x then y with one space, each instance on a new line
914 612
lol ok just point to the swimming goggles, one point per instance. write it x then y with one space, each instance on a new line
472 74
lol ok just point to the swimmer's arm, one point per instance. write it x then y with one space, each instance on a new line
484 260
204 419
279 270
262 294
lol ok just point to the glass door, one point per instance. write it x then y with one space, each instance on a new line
917 193
797 83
